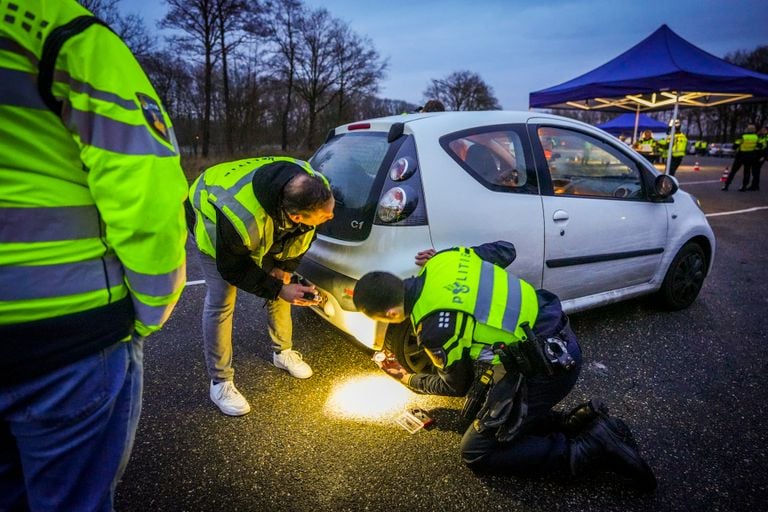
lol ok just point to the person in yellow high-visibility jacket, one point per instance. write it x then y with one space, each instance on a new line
92 254
679 146
748 148
254 219
490 336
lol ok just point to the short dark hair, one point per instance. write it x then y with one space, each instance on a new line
305 193
433 106
377 292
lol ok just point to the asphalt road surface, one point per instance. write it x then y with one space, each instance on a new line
691 384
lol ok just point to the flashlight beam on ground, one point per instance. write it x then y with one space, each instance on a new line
371 398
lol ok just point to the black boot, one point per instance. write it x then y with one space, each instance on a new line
608 444
573 422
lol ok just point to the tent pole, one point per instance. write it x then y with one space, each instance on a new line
672 135
637 122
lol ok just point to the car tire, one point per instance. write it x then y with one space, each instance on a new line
401 341
684 279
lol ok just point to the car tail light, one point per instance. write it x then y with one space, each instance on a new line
402 169
359 126
396 204
401 202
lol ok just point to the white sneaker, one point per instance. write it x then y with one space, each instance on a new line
293 362
226 396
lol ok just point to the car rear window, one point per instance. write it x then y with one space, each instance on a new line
351 162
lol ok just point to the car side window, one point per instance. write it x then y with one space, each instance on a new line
582 165
496 158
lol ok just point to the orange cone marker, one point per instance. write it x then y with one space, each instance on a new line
724 177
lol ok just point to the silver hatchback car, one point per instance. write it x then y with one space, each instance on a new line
592 220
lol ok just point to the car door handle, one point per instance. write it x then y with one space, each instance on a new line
560 216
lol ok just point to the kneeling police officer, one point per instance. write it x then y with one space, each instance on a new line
489 332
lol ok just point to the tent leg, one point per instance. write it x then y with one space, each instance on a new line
672 136
637 122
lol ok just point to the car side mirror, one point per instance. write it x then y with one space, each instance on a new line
664 186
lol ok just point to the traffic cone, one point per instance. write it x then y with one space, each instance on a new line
696 167
724 177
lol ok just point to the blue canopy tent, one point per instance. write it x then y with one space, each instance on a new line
661 71
632 123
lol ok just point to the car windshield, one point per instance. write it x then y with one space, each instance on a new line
351 163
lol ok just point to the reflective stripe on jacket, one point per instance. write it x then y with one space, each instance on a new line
90 202
228 187
500 303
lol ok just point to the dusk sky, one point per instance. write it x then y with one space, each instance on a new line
519 46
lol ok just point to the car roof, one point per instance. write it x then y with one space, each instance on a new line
446 122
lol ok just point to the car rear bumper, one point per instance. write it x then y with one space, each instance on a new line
337 307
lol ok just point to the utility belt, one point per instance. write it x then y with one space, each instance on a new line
530 357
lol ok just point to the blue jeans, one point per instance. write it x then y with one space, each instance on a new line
537 449
65 437
218 314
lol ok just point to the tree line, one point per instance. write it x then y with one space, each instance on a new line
237 75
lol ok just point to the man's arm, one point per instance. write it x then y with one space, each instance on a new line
438 330
499 253
128 148
234 263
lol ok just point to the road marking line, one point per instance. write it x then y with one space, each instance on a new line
190 283
756 208
683 183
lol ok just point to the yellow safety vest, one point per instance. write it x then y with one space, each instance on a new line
91 188
747 142
459 280
681 142
228 188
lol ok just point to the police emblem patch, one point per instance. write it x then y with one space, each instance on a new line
153 114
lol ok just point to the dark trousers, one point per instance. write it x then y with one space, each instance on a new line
756 173
748 161
674 164
538 448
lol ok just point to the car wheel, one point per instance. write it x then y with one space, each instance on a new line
401 341
684 278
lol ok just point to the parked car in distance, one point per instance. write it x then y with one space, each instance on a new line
723 150
591 219
727 150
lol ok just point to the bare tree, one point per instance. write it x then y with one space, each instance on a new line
359 68
231 17
463 90
316 73
197 19
130 27
282 33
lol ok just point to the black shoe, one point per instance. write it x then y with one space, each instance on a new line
725 188
753 189
580 417
608 444
742 189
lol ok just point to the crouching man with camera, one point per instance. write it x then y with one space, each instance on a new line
510 350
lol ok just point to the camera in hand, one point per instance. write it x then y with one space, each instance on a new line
299 279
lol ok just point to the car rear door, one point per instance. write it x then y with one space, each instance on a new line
601 230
